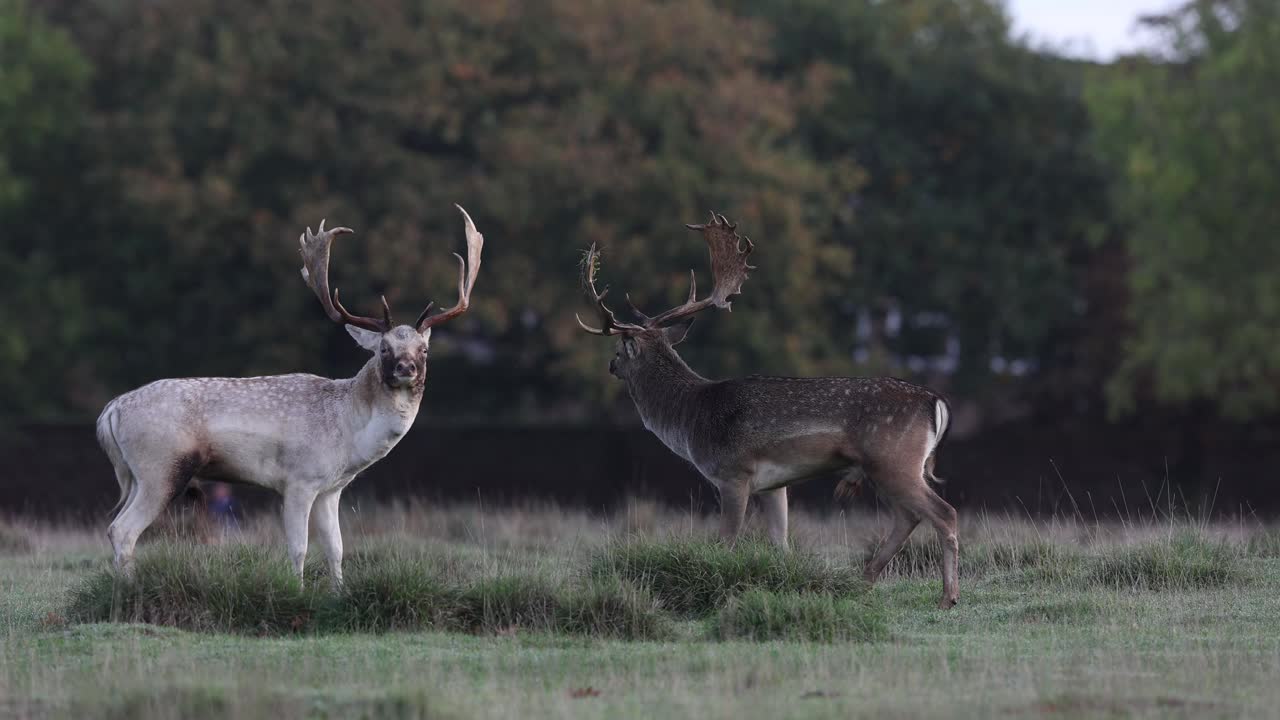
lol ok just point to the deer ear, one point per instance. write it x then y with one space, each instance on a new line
366 339
426 335
678 332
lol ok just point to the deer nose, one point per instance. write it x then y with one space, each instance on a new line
406 369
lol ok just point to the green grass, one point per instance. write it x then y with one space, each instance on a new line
764 615
1131 622
1188 561
1043 559
697 578
13 541
251 589
1265 543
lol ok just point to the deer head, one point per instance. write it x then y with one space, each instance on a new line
658 333
401 350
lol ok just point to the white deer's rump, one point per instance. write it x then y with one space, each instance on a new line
107 439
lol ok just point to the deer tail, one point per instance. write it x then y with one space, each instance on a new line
107 423
941 423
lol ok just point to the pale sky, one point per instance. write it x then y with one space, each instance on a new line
1096 29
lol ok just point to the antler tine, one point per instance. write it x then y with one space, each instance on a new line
315 248
609 322
635 310
729 269
467 271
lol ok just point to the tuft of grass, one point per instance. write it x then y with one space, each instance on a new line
13 541
200 703
239 588
384 592
1045 560
508 603
248 589
1187 561
696 578
608 607
184 702
613 607
763 615
1264 544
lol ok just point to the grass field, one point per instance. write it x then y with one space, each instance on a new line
547 613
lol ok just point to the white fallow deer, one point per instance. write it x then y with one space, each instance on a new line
305 437
757 435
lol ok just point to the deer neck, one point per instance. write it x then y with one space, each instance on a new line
663 390
380 415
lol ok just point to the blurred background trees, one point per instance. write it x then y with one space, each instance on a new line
1194 139
929 197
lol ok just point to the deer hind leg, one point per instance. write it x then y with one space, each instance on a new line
904 522
155 485
773 503
942 516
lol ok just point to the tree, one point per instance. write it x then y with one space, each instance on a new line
963 178
1195 135
228 128
42 308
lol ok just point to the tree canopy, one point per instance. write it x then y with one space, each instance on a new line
1195 136
929 197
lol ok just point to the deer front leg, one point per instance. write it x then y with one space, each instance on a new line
773 503
295 513
325 516
733 510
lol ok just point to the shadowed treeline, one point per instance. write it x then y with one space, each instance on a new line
1043 240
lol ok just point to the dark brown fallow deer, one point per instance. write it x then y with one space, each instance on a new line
757 435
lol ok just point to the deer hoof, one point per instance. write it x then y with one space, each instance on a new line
947 603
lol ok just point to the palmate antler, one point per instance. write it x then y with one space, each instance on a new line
467 271
729 269
315 248
315 271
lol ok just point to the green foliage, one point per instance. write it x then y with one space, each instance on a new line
43 79
696 578
962 174
556 124
764 615
919 137
1185 562
1196 143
